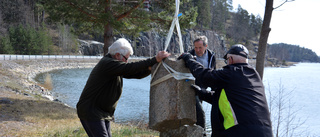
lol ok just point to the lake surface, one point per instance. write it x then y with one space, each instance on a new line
298 84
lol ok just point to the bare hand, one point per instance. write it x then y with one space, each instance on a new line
161 55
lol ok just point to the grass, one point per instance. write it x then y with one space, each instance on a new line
40 117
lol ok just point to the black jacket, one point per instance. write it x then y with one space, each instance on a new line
103 89
211 57
239 105
211 62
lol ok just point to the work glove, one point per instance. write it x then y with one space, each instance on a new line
185 56
198 90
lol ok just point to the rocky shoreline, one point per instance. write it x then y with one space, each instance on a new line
18 75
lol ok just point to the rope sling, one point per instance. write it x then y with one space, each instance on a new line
172 72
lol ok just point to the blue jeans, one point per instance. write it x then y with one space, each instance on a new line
100 128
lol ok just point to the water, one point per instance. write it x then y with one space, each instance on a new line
301 80
67 84
132 106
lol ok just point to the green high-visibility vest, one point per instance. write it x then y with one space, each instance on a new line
227 112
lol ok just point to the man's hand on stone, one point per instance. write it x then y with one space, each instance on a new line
198 89
161 55
185 56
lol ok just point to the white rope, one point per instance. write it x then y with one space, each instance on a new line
178 75
172 72
175 22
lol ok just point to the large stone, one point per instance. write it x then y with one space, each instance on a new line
184 131
88 47
172 102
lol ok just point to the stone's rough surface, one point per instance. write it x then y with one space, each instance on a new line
172 102
184 131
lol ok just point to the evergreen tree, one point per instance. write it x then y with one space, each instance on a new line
28 41
44 41
220 14
5 46
294 53
115 16
204 13
239 28
255 25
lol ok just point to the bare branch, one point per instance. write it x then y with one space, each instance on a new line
283 3
153 19
79 9
129 12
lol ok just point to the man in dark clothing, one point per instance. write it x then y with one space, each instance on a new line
204 55
103 89
239 105
207 59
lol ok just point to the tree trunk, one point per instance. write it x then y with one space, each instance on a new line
108 31
265 30
108 38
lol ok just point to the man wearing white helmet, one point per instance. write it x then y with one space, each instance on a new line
239 105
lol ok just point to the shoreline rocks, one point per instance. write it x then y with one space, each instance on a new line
18 75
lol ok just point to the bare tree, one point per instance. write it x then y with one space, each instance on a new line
265 30
67 41
285 122
2 26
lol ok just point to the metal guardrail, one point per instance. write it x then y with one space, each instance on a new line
34 57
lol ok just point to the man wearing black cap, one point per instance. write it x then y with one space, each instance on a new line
239 105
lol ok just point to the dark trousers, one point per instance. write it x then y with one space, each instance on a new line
201 121
100 128
248 131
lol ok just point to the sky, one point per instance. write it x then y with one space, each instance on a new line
295 23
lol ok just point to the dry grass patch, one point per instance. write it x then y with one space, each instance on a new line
29 116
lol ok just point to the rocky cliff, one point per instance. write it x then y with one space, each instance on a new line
149 43
91 48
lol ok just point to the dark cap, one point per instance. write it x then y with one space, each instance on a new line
238 49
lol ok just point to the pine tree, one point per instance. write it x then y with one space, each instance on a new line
204 13
117 16
220 14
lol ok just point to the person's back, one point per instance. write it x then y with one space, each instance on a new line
240 101
239 104
103 89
